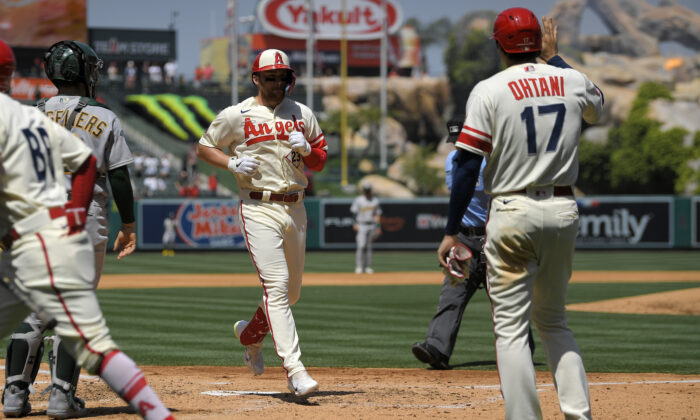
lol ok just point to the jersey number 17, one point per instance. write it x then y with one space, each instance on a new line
528 115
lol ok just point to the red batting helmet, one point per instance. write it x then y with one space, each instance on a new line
7 66
272 60
517 31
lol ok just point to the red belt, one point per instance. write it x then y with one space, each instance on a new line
12 235
557 191
286 198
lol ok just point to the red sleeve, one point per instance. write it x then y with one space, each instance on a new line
316 160
83 184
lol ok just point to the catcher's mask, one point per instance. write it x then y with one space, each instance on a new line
73 62
517 31
7 66
272 60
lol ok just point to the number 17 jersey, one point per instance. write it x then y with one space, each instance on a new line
526 120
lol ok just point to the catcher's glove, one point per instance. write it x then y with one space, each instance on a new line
457 258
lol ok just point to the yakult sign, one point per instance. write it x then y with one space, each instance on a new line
288 18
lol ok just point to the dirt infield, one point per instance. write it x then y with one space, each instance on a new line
196 392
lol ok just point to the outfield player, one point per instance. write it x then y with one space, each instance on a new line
47 259
74 68
367 226
441 337
267 141
526 120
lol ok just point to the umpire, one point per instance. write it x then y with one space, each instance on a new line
440 339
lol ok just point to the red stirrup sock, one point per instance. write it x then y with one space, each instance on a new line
127 380
256 330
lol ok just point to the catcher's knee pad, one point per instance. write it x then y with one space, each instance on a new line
64 368
24 352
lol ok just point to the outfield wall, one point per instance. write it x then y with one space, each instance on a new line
624 222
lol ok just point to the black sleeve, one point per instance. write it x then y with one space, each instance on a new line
122 193
465 174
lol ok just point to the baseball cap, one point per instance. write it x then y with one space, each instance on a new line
454 127
366 186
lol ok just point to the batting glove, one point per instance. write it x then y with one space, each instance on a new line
298 142
247 166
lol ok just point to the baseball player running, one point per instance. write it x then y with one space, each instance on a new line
456 292
269 139
526 120
367 226
47 263
74 68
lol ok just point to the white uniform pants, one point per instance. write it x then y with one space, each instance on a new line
529 250
276 238
56 273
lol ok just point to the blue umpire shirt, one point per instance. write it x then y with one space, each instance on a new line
476 213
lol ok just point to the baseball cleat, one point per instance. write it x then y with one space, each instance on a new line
63 405
252 357
16 401
301 384
358 270
369 271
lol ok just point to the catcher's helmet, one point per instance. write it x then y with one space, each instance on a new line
73 62
7 66
272 60
517 31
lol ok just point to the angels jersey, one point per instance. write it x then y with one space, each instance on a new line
100 129
526 121
254 130
33 153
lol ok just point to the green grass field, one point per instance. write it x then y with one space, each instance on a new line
375 326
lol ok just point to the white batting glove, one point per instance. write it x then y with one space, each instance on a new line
298 142
247 166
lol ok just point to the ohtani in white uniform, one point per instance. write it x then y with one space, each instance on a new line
267 146
526 121
49 265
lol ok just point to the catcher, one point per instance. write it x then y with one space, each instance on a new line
466 272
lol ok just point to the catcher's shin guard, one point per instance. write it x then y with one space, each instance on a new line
24 352
65 371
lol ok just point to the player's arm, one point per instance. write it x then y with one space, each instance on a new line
82 187
465 174
123 195
316 160
550 49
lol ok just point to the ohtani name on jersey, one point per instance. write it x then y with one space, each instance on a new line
83 121
537 86
251 129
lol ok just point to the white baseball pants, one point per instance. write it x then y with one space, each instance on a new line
56 272
529 250
275 234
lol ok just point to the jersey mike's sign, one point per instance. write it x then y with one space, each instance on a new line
363 18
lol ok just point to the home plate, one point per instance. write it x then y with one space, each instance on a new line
234 393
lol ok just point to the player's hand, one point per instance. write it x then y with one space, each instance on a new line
126 240
550 37
245 165
298 143
447 243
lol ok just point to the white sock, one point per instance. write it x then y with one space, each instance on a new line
127 380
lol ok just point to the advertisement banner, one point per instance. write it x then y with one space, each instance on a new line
205 223
133 44
418 223
41 23
32 88
363 18
625 222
